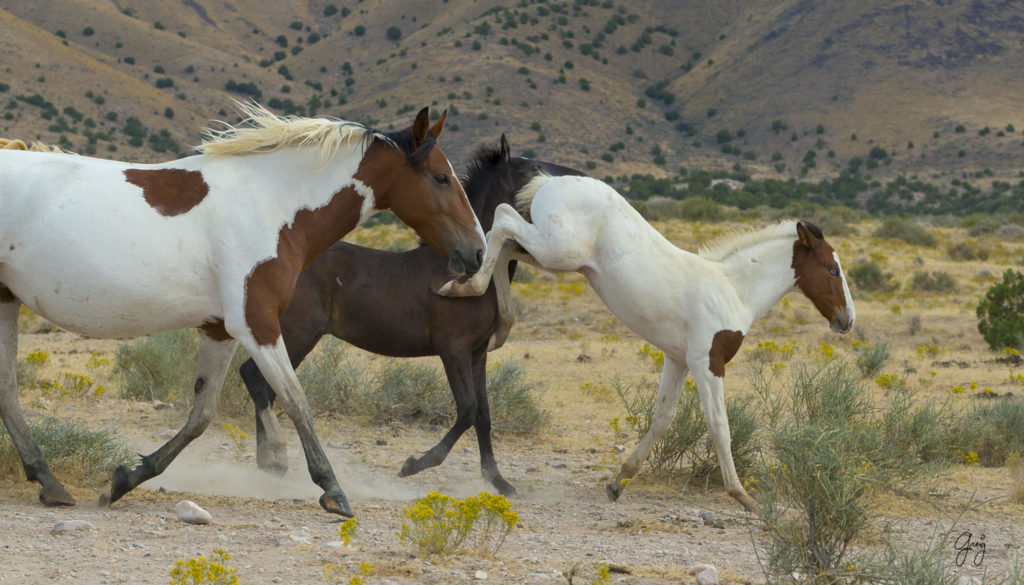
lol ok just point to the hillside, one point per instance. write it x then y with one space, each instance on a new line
780 89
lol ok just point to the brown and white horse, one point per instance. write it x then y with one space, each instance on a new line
697 308
214 241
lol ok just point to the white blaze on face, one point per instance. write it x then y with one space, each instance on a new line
851 313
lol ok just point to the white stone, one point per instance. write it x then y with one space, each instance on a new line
708 576
65 526
334 545
300 536
480 575
189 512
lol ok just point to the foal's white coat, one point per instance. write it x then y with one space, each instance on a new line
676 300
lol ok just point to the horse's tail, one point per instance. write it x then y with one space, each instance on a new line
524 198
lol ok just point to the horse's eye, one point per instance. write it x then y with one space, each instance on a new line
833 271
441 178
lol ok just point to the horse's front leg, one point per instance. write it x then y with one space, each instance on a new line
275 366
458 369
711 388
482 424
672 377
32 461
505 227
211 367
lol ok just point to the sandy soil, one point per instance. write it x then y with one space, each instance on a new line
653 535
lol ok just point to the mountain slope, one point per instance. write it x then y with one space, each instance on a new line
614 87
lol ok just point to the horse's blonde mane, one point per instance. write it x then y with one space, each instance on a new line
524 198
16 144
730 243
263 131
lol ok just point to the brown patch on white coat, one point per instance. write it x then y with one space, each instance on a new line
169 191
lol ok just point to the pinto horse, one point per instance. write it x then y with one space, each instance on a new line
697 308
393 310
214 241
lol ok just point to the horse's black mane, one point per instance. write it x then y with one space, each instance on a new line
413 156
484 157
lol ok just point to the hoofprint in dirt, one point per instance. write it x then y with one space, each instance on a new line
656 534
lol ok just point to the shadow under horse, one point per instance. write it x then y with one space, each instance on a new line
385 303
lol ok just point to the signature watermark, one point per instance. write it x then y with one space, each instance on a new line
965 545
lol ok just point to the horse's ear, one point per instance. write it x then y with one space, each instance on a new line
439 125
421 126
805 234
505 149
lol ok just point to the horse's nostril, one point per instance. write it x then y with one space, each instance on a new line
479 256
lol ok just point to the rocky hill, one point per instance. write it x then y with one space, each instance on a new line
790 88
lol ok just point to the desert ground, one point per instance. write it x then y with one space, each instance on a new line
573 351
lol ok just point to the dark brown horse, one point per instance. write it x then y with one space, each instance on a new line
392 310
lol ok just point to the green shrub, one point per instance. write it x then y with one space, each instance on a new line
71 449
936 282
512 404
868 276
331 383
871 359
901 229
1000 430
811 491
163 366
1001 312
406 392
158 367
686 440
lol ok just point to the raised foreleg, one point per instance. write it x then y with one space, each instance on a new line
547 241
672 377
36 469
211 366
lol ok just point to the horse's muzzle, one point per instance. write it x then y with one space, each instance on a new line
842 321
466 262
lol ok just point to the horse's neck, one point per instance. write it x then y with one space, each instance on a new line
762 273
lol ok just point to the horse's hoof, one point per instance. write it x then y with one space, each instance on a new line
120 484
273 467
504 488
410 467
56 495
336 504
613 489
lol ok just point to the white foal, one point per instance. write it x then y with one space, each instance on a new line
696 308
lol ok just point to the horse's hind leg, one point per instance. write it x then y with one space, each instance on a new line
211 366
271 449
672 377
274 364
36 469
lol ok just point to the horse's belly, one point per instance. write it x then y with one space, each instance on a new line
112 301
